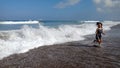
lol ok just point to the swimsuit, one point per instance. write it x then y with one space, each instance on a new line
99 32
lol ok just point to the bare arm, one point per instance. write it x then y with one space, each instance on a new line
96 31
103 32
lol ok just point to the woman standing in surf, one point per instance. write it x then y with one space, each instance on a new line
99 32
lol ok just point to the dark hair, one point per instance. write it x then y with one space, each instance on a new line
98 23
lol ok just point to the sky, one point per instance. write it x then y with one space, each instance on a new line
59 9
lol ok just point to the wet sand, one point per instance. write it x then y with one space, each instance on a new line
78 54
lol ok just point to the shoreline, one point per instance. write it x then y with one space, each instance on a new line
78 54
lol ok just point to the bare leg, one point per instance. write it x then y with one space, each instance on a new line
99 42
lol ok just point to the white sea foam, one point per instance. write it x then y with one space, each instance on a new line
19 22
27 38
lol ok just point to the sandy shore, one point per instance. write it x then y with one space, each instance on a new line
79 54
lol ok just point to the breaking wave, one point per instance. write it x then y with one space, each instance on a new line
26 38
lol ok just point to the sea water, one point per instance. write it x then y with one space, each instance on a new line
21 36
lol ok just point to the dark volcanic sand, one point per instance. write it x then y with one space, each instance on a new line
79 54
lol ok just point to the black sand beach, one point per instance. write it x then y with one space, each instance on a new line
79 54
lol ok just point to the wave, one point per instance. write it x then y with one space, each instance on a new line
19 22
20 41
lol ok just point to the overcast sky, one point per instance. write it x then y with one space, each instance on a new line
60 9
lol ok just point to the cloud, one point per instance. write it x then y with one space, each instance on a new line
97 1
66 3
107 5
99 9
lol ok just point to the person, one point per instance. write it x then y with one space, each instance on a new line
99 32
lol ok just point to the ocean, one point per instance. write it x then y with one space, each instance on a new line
21 36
